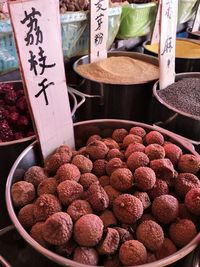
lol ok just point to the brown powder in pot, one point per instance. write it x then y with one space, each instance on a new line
119 70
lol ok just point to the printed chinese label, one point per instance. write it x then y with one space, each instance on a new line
196 24
169 10
37 34
98 29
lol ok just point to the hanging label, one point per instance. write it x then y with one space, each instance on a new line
37 33
98 29
156 34
196 24
167 49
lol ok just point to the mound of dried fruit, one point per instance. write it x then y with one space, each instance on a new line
129 200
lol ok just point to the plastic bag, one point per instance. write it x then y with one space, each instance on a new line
137 20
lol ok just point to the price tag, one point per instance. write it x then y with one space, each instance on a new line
37 33
167 49
98 29
156 34
196 24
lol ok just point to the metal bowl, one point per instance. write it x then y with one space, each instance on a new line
30 156
181 64
115 101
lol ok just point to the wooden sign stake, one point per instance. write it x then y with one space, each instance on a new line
196 24
37 32
156 34
167 49
98 29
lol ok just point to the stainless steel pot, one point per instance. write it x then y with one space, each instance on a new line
30 156
10 150
181 64
168 117
115 101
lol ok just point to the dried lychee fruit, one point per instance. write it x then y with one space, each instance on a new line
144 178
36 233
66 249
64 149
184 182
26 216
112 193
93 138
131 139
173 152
167 249
119 134
79 208
163 169
87 179
46 205
68 172
58 228
136 160
112 165
138 131
124 234
189 163
132 252
97 150
84 164
88 230
104 180
165 208
48 186
35 175
68 191
134 148
127 208
110 143
23 193
97 197
150 234
154 137
150 257
112 261
109 244
183 213
182 232
115 153
160 188
108 218
86 255
192 201
155 151
147 217
144 198
99 167
53 162
121 179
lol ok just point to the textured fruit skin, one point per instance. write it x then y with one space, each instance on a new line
113 165
150 234
97 150
99 167
35 175
88 230
119 134
45 206
132 253
58 228
182 232
112 193
131 139
121 179
192 201
138 131
154 137
155 151
47 186
165 208
98 197
108 218
115 153
134 148
167 249
173 152
144 178
84 164
189 163
144 198
54 161
109 244
136 160
36 233
68 191
124 234
23 193
79 208
163 169
184 182
87 179
86 255
127 208
26 216
160 188
68 172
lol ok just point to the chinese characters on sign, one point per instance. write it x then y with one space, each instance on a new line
38 64
98 29
169 10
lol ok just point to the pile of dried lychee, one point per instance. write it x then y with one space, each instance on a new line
124 200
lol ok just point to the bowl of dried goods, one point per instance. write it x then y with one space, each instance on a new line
127 195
